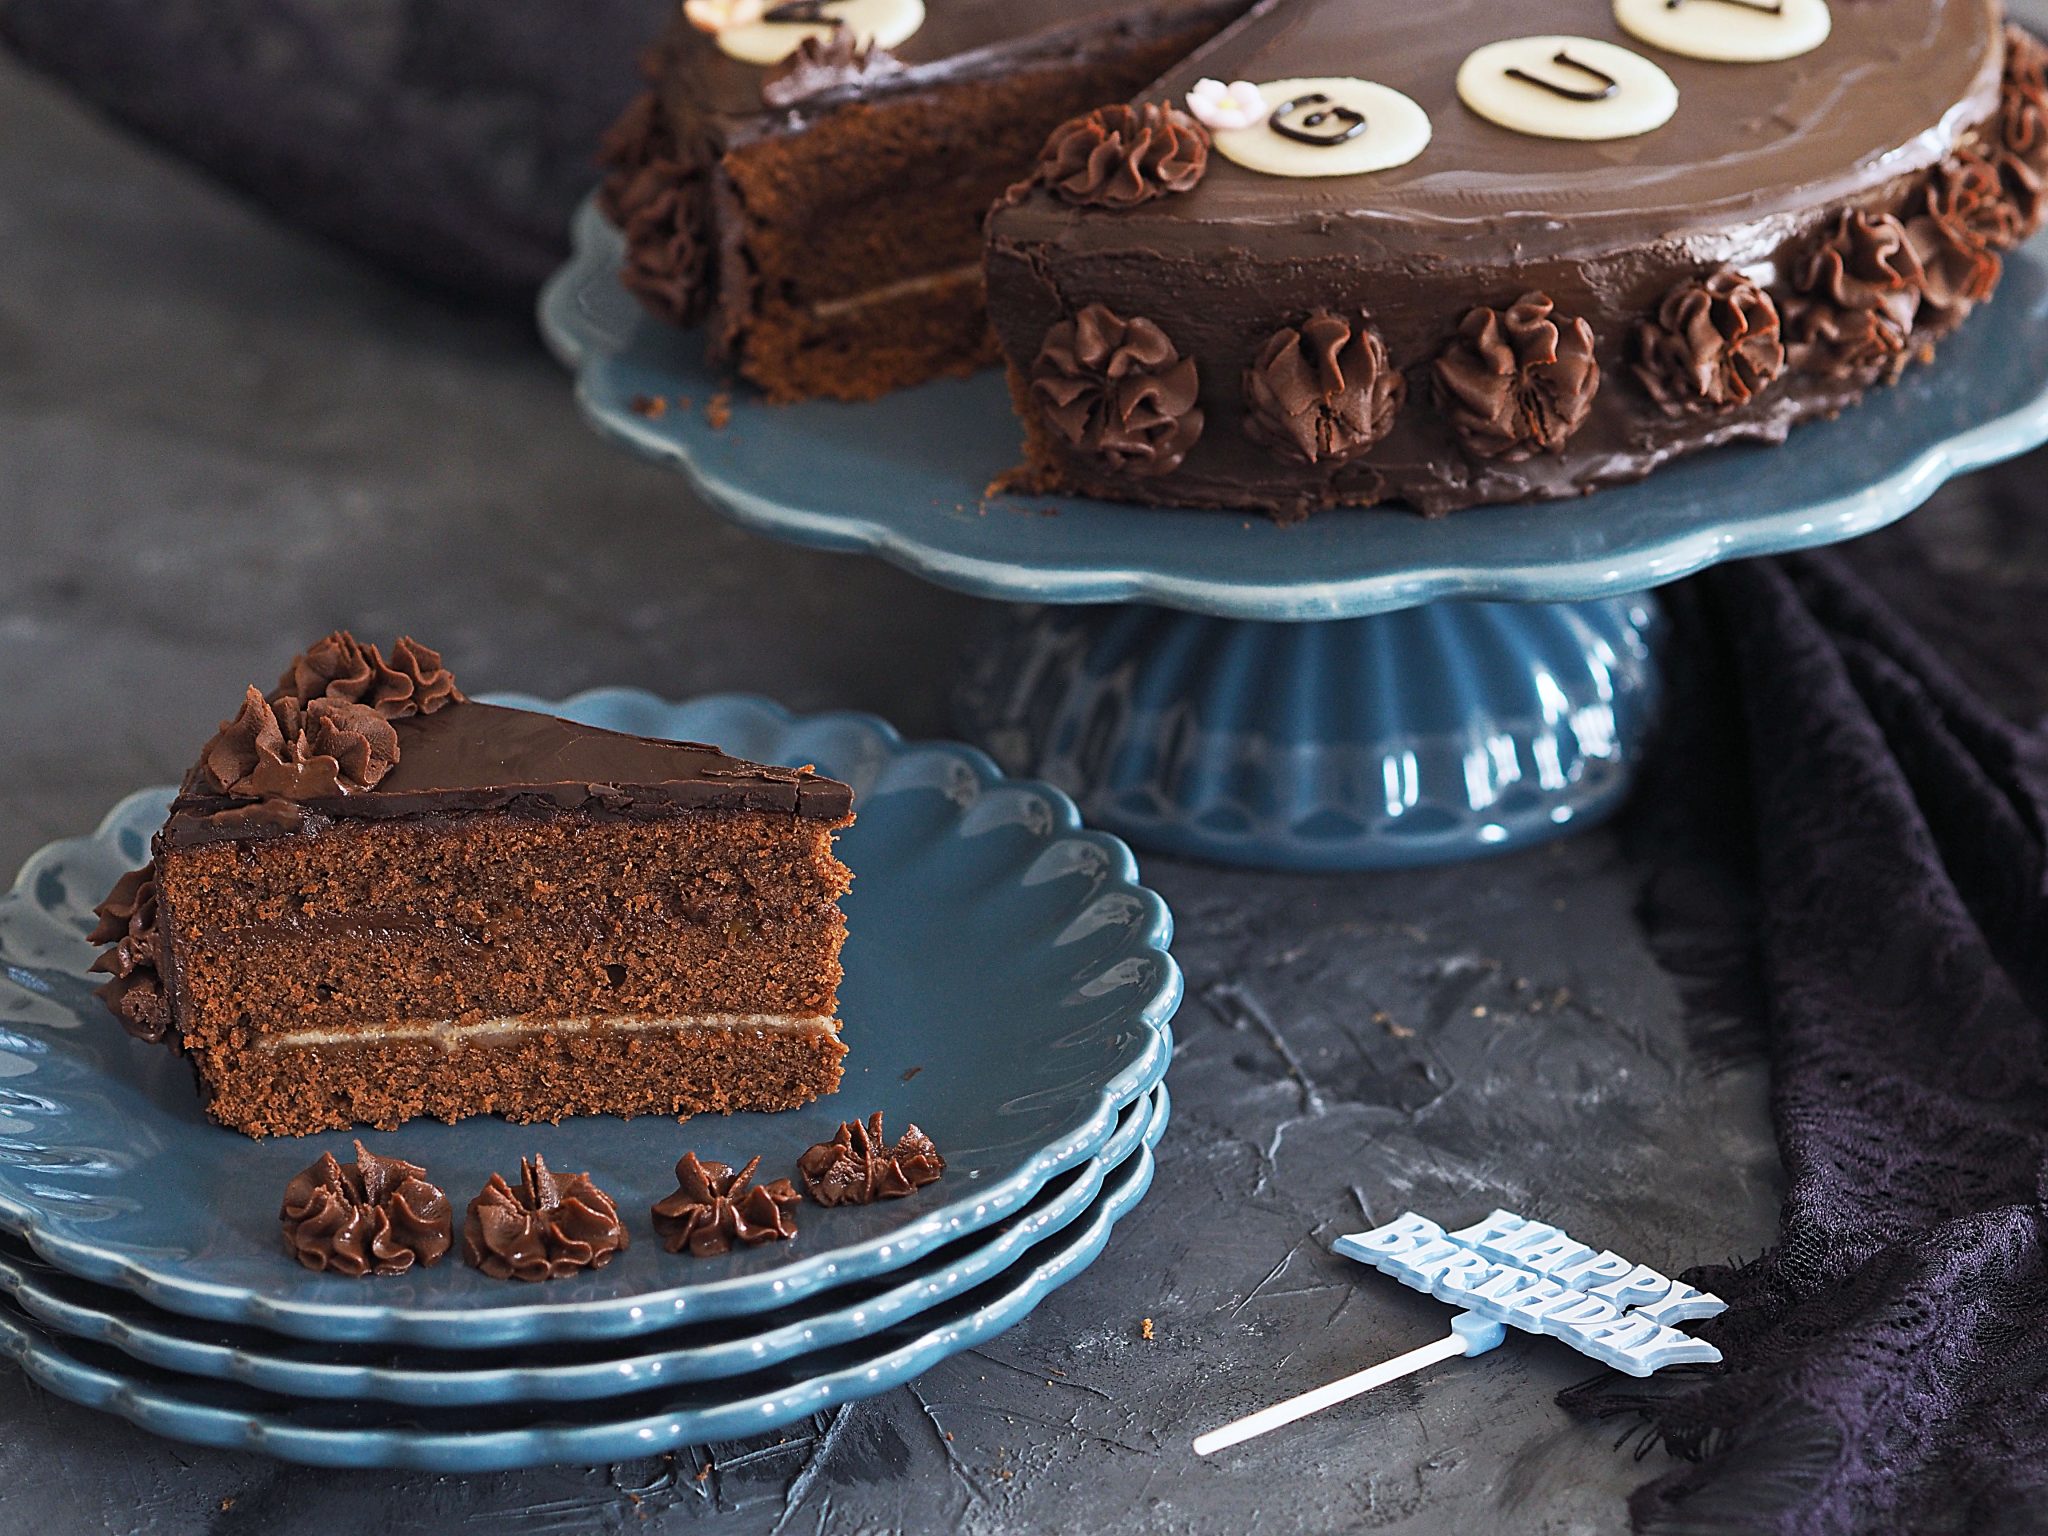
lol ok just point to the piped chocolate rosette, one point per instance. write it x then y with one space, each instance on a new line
716 1206
859 1166
376 1215
550 1226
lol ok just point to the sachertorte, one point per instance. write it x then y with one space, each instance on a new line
375 899
1356 251
1339 252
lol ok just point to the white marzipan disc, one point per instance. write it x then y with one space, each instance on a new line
874 23
1633 95
1727 31
1395 129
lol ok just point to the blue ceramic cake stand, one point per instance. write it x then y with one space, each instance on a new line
1469 684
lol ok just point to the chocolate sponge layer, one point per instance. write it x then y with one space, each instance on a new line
528 964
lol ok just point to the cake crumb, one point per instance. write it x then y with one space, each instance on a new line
1479 1012
718 411
1145 1329
653 407
1394 1030
912 1073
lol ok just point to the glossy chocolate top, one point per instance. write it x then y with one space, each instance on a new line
480 757
1754 162
1889 92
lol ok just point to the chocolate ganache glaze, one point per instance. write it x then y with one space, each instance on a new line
1758 162
481 757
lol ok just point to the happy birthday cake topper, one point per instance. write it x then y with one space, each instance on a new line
1510 1272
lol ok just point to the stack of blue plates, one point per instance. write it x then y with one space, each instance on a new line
1008 989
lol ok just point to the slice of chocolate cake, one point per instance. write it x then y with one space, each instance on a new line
375 899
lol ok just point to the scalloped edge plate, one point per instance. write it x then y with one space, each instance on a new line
856 747
903 478
165 1340
204 1413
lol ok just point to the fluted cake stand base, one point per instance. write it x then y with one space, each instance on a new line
1385 742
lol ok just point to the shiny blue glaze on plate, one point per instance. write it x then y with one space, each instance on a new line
487 1439
574 1371
1008 987
903 478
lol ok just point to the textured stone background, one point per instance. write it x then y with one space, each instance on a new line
218 439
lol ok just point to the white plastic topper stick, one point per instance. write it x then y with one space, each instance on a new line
1508 1272
1470 1334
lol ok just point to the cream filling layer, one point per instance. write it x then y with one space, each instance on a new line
888 293
450 1034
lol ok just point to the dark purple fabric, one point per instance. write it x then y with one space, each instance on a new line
448 140
1887 1361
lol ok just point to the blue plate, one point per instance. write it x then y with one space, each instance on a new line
903 478
1007 988
488 1439
566 1372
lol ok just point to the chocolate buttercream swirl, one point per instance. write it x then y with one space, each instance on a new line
2022 154
377 1215
1855 296
1713 345
286 750
1322 392
660 199
343 669
1851 346
1121 156
1518 381
128 922
1958 221
828 63
547 1228
857 1166
1863 261
1118 392
424 685
338 667
714 1207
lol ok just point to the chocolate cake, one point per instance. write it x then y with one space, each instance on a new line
375 899
1339 252
1345 291
817 191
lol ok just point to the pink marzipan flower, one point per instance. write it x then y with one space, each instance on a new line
1236 105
